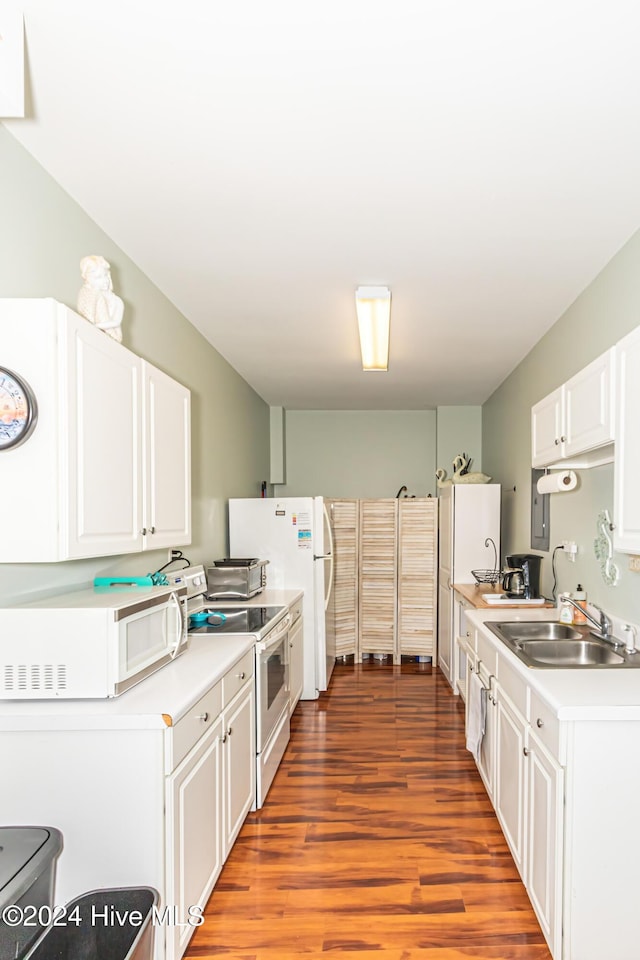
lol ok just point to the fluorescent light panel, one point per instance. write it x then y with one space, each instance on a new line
373 306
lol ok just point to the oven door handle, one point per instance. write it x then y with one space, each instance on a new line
275 637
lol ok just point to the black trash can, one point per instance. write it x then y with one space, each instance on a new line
27 874
109 924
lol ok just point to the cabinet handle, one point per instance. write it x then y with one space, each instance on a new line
203 716
229 731
563 439
525 751
152 530
144 531
224 739
290 643
539 722
557 442
241 676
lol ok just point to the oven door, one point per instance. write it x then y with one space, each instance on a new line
272 681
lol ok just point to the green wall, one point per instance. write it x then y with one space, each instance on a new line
359 453
605 311
43 235
459 431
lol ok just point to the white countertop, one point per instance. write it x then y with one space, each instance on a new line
575 694
168 693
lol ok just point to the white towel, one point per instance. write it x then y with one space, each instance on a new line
476 714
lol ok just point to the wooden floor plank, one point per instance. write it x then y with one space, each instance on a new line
377 839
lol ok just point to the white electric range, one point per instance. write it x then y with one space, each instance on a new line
269 625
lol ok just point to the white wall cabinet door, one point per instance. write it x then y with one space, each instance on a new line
239 759
101 472
167 460
194 835
545 820
589 407
107 468
510 798
574 424
626 511
547 425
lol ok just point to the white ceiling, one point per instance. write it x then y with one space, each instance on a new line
260 160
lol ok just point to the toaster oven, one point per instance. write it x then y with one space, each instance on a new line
233 579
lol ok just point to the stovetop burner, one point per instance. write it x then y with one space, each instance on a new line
229 620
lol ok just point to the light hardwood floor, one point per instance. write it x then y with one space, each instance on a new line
377 840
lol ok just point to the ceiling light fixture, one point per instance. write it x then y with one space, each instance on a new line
373 306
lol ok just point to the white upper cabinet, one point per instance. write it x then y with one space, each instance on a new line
574 425
106 470
167 464
626 511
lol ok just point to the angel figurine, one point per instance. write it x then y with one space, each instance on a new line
96 300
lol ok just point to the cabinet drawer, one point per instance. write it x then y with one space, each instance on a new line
486 652
188 730
545 724
237 676
513 685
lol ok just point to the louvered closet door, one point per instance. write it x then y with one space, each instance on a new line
377 602
344 523
417 561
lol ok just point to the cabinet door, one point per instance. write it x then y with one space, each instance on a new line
296 662
547 425
510 777
445 636
103 489
194 835
378 580
239 778
167 462
487 757
626 511
417 559
589 411
545 842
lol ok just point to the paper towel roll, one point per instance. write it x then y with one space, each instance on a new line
558 482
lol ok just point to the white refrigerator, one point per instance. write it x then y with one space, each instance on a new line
294 535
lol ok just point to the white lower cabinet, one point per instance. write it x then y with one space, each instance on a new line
544 832
296 655
238 771
525 784
140 800
194 833
564 792
510 795
445 634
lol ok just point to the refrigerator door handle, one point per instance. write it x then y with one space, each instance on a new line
330 557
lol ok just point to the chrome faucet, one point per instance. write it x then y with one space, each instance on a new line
603 625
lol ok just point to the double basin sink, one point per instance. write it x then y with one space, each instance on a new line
548 644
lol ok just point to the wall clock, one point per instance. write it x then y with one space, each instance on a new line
18 409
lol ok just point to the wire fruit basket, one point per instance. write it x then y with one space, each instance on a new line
488 576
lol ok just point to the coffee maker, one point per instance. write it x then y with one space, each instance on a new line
526 586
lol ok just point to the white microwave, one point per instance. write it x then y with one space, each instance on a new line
93 643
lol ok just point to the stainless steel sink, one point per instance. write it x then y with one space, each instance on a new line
545 644
537 630
569 653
